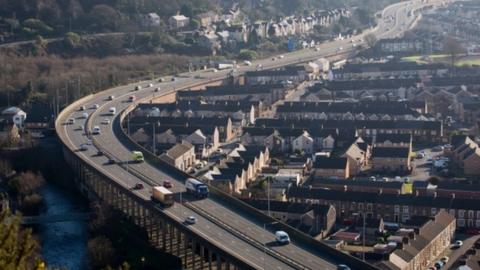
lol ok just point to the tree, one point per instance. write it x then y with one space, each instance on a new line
100 252
452 47
247 54
371 40
17 248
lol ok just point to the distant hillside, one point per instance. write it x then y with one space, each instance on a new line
25 19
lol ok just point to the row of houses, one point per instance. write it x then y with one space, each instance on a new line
421 131
239 169
364 110
240 112
466 155
267 94
390 207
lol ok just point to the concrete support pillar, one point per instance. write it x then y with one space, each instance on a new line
164 236
194 265
219 262
209 259
185 248
171 236
202 256
227 265
179 241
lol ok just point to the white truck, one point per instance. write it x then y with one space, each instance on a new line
162 195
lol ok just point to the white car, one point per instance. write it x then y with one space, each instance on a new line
214 70
457 244
317 49
138 87
112 97
191 220
282 237
150 85
96 106
85 115
96 130
281 56
105 121
82 108
247 63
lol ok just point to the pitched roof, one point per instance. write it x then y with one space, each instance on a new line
330 163
393 138
390 152
179 149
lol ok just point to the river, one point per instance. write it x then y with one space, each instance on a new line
64 244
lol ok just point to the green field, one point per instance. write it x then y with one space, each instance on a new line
443 58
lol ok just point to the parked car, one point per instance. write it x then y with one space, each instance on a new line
438 148
439 264
457 244
444 259
191 220
343 267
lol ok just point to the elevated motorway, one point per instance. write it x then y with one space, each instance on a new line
241 234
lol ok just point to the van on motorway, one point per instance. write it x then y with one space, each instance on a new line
112 110
282 237
137 156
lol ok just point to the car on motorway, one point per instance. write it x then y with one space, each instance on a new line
282 237
112 110
106 121
84 115
438 148
111 161
343 267
174 79
96 106
161 80
99 153
167 184
96 130
82 108
83 147
81 127
138 87
132 98
317 49
150 85
445 259
191 220
111 97
273 58
138 186
214 70
157 89
281 56
71 121
439 264
247 63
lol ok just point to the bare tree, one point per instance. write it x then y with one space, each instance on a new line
453 48
371 40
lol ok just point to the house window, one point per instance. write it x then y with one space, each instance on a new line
477 223
369 207
470 214
478 214
452 212
405 209
461 213
397 208
360 206
433 211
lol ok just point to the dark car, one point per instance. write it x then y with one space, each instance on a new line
167 184
111 161
138 186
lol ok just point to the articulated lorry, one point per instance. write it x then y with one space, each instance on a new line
162 195
197 188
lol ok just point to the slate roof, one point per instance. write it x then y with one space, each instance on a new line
394 138
360 183
330 163
229 90
384 198
390 152
391 66
179 149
